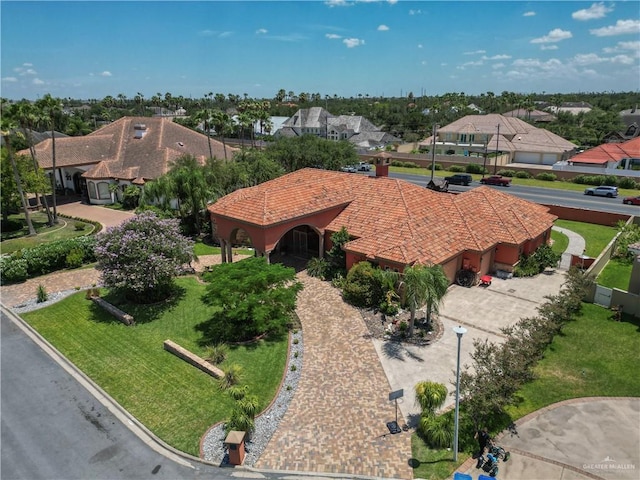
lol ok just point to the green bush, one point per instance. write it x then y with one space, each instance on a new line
507 173
13 270
41 294
547 177
318 267
216 354
589 179
11 225
360 285
522 174
74 258
456 168
628 183
475 168
437 431
79 226
530 265
437 166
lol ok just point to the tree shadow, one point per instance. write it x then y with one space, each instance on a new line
396 350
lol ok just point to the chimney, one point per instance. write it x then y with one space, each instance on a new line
382 162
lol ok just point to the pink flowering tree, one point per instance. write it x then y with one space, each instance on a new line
141 257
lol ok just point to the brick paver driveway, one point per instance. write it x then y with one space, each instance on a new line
336 422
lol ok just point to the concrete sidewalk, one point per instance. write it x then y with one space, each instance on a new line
576 247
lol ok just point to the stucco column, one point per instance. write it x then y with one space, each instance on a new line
267 254
321 245
223 250
229 252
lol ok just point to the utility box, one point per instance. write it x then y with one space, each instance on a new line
235 444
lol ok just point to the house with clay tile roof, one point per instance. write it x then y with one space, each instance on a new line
392 223
129 151
610 155
513 138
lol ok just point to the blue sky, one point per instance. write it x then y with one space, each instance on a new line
91 49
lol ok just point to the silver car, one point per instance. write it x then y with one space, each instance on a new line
602 191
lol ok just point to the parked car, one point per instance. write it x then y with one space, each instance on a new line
364 167
459 179
349 169
631 200
496 180
602 191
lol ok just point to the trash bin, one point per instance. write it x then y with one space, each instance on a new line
235 443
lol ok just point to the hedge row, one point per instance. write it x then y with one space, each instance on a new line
47 258
610 180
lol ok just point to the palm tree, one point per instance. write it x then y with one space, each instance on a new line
7 126
51 108
430 396
222 124
423 285
204 116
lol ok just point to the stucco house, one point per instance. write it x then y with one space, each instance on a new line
131 150
611 155
317 121
515 138
393 223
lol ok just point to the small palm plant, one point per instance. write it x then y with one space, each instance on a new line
217 353
232 376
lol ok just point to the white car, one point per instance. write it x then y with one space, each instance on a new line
349 169
364 167
602 191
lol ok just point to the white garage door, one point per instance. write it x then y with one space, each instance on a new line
549 158
525 157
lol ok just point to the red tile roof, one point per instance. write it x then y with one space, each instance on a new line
391 219
609 152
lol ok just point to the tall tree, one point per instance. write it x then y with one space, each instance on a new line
8 125
52 108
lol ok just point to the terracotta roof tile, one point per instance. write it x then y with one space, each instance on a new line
392 219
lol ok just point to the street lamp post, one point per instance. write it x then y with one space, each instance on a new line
495 165
433 150
459 331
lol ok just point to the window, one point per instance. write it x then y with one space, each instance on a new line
92 190
103 191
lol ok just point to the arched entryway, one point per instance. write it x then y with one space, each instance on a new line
297 246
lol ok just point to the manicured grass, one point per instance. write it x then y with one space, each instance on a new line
201 248
433 464
560 242
66 228
594 356
174 400
596 236
616 274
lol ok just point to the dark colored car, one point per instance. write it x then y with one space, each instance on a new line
631 200
459 179
496 180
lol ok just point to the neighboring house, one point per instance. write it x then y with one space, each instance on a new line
573 108
631 116
353 128
393 223
632 131
610 155
522 142
534 115
131 150
37 137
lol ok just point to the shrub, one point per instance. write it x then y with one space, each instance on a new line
437 166
522 174
628 183
475 168
318 267
359 287
589 179
437 432
216 354
41 294
11 225
232 376
530 265
13 269
74 258
547 177
456 168
79 226
507 173
238 392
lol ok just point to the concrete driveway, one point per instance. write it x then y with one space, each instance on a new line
483 311
106 216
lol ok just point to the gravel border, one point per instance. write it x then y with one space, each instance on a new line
32 304
212 447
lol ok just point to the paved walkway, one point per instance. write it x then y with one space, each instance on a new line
336 422
576 247
108 217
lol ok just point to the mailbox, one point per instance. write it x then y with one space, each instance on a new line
235 444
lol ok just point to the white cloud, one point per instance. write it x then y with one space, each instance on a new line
392 2
206 33
225 34
477 52
25 69
337 3
333 36
596 10
419 45
353 42
261 31
37 81
555 35
382 28
415 12
623 46
497 65
587 59
623 59
549 47
470 64
9 79
106 73
497 57
529 14
622 27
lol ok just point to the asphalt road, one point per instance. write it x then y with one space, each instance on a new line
53 428
546 196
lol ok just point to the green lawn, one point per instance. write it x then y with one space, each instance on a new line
596 236
616 274
175 401
66 228
201 248
433 464
560 242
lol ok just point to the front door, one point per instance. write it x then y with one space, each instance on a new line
300 243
